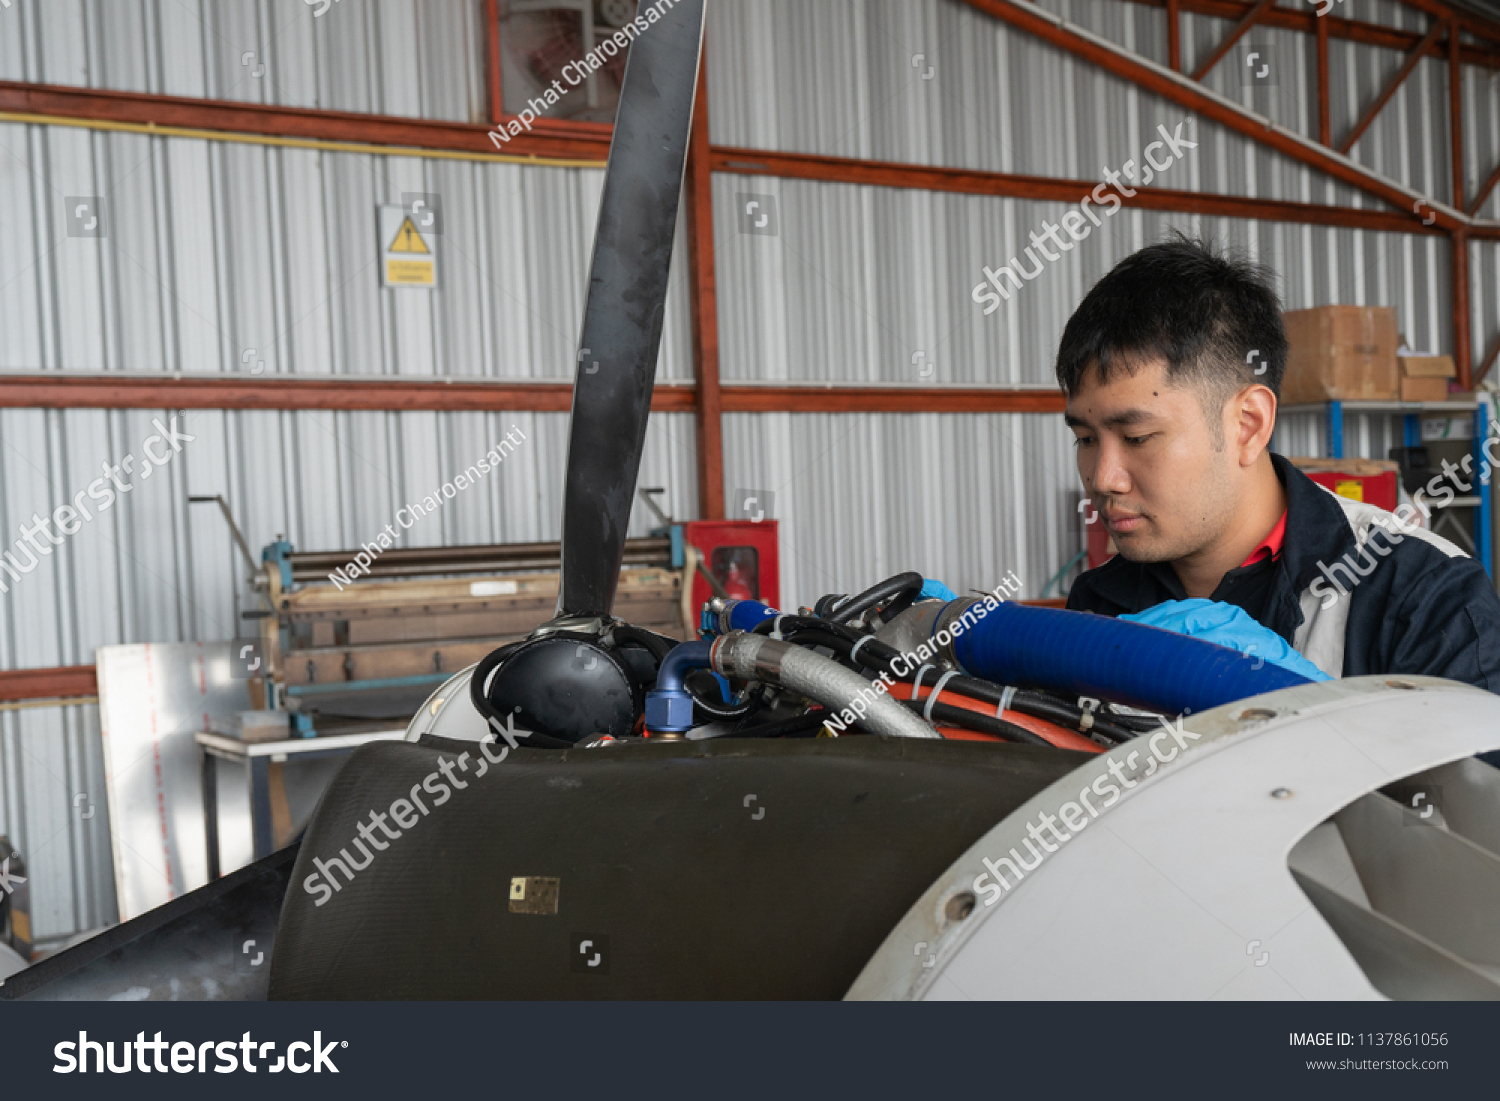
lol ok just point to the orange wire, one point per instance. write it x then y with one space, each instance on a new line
1059 736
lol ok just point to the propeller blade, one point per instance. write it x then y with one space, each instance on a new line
622 318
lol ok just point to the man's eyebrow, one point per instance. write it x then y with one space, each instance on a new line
1128 417
1122 419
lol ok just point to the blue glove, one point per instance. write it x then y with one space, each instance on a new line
935 590
1227 625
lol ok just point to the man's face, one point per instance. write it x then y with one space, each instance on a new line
1154 467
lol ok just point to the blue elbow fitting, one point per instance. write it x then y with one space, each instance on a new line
669 708
1093 655
735 615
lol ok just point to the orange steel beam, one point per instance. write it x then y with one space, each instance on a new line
1391 86
806 166
55 682
1484 191
1308 21
1188 94
704 297
550 138
1325 124
1463 354
1489 360
1239 30
889 399
1456 115
590 141
380 393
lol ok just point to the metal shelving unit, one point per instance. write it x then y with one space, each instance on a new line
1411 413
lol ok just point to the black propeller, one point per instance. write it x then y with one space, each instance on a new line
622 318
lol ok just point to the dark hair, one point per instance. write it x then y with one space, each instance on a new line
1214 319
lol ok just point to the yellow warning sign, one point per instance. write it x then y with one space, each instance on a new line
1352 488
409 257
409 240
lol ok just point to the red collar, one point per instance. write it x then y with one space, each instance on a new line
1270 546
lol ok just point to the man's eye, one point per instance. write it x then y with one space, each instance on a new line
1136 441
1082 441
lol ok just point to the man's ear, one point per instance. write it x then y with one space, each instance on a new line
1250 420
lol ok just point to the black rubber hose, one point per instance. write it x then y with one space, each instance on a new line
973 720
1044 707
1066 714
1039 706
480 698
487 665
796 726
1027 703
878 656
658 645
818 636
1140 723
825 604
905 586
717 709
873 655
791 623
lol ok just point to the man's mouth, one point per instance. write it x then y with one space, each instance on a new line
1120 522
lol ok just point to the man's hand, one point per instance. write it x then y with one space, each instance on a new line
1227 625
935 590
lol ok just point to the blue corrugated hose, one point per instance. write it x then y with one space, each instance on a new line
1094 655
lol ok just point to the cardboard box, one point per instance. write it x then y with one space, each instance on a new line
1427 366
1341 353
1424 389
1364 468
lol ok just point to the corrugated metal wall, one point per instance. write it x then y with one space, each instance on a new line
873 284
223 257
838 78
961 497
423 58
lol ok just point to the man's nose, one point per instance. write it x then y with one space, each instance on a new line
1111 479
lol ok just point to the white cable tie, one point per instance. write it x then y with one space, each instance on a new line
776 627
922 672
857 645
936 689
1005 698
